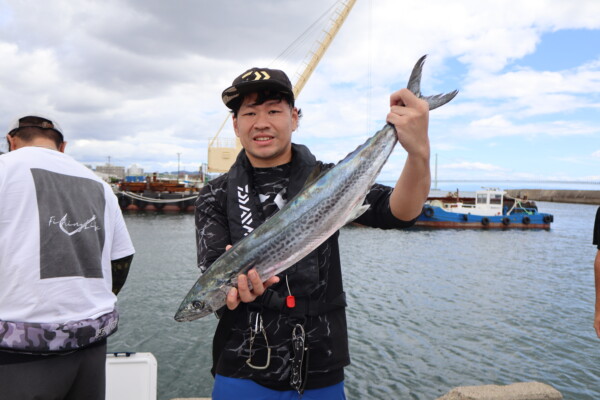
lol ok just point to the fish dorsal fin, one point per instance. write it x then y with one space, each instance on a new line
357 212
314 175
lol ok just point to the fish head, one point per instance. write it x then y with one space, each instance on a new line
191 311
198 305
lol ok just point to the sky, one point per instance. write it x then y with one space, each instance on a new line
140 81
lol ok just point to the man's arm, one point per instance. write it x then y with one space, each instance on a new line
212 229
596 242
410 117
597 280
120 270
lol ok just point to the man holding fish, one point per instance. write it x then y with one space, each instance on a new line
282 327
596 242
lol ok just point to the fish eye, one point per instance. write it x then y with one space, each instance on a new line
197 304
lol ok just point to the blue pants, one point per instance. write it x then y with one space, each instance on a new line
234 389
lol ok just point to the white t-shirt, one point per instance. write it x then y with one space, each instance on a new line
60 227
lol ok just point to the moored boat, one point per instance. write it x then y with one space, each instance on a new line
490 208
157 195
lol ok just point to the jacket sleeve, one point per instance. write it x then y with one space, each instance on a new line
212 229
379 214
120 270
596 239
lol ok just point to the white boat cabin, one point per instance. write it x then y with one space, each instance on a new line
488 202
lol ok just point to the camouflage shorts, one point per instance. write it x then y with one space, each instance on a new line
36 338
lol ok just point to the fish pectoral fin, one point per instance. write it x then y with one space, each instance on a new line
357 212
313 176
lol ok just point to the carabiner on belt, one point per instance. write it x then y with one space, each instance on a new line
256 328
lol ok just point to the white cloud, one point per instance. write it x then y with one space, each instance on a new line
528 93
141 81
472 166
500 126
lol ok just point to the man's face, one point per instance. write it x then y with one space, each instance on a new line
265 131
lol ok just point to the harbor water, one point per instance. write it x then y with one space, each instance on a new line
428 310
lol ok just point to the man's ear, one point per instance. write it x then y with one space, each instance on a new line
295 119
62 146
11 142
235 126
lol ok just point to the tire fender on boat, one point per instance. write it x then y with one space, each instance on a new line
526 220
505 221
428 211
547 219
485 221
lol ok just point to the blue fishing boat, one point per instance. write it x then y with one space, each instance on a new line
490 208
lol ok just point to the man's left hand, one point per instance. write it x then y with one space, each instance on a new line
410 117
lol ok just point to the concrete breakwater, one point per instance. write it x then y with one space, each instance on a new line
558 196
515 391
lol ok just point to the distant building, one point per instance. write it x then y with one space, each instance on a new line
135 170
111 170
103 176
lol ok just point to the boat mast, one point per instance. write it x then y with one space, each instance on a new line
222 154
435 176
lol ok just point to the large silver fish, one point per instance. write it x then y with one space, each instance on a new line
306 221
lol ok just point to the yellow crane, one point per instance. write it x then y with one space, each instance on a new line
222 152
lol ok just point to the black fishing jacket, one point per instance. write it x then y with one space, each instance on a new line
227 209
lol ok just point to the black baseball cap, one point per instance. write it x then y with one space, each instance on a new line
257 79
36 122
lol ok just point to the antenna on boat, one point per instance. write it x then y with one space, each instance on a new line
435 176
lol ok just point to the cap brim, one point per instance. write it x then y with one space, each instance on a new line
233 93
15 125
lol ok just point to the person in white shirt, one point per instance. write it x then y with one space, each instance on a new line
596 242
64 255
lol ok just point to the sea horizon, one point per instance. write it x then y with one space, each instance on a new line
452 185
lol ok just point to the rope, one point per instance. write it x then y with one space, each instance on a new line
303 38
517 201
153 200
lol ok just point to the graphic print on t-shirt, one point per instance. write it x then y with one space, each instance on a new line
277 199
271 185
71 212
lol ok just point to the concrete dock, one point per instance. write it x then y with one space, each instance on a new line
558 196
514 391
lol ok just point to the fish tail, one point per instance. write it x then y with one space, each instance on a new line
414 85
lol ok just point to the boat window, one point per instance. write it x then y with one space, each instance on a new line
496 199
481 198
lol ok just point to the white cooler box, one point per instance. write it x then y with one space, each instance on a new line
131 376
